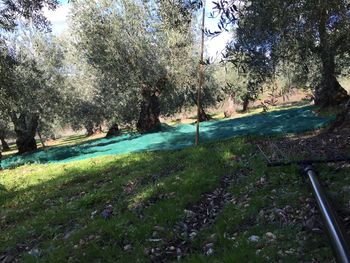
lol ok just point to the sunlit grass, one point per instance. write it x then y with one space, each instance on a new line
56 208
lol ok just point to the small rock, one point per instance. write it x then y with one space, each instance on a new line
317 230
34 252
189 213
127 247
193 235
270 235
262 180
67 235
209 252
93 214
253 238
154 239
209 245
107 212
159 228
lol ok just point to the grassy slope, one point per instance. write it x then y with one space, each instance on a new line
49 207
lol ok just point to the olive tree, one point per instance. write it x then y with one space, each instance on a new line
297 31
32 91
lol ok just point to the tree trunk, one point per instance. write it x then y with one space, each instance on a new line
25 128
343 119
202 115
90 128
5 146
150 110
113 130
230 110
245 104
41 139
329 92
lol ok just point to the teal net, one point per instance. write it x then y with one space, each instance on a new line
294 120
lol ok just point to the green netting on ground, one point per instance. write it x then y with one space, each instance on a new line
284 121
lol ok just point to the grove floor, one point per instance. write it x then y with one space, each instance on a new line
148 207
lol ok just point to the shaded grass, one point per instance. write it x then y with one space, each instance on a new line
43 203
57 208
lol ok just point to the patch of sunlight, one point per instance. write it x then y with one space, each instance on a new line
345 83
145 195
29 175
35 174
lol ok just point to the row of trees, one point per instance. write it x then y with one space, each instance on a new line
125 62
121 62
305 41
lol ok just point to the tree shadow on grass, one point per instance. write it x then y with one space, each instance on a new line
81 188
170 138
2 188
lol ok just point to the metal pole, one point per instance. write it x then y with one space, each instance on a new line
308 161
200 76
337 235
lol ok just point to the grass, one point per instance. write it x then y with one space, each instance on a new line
52 213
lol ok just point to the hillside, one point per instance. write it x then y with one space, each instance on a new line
215 203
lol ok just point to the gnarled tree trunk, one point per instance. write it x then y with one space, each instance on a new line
329 92
5 146
230 109
41 139
150 110
245 103
343 119
25 127
113 130
202 114
92 128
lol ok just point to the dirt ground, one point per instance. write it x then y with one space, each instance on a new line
294 97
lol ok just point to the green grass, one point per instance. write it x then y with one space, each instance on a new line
50 207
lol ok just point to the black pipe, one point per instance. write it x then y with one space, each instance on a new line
306 162
336 233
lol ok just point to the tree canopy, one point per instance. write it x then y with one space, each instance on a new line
300 32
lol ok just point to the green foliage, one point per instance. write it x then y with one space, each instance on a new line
130 45
35 82
115 40
11 12
312 36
